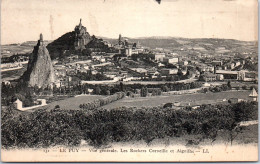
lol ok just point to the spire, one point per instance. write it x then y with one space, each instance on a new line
80 22
119 39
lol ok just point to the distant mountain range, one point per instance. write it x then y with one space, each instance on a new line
174 38
175 42
171 43
152 42
33 43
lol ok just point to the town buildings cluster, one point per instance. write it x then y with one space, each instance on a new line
94 61
129 61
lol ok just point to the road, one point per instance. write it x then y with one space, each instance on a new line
248 123
192 79
116 81
11 69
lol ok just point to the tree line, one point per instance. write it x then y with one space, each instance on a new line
100 127
102 101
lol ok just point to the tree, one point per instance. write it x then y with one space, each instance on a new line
107 92
217 89
165 88
57 107
224 87
233 130
244 87
144 92
168 105
256 88
229 85
97 90
86 52
122 88
100 77
210 129
153 93
205 90
179 73
90 72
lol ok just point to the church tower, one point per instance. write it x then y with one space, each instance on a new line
119 39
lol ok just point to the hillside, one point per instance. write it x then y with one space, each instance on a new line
65 42
210 45
205 45
72 41
151 42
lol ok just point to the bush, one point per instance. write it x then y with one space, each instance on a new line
168 105
57 106
41 129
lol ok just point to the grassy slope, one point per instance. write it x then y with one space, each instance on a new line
199 98
74 102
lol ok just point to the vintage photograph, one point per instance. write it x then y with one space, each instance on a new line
129 81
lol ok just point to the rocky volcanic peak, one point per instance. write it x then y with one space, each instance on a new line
40 71
75 40
82 37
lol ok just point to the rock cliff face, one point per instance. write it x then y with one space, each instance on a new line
40 71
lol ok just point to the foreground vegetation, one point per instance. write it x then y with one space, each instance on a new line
99 127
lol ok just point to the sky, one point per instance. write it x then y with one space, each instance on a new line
24 20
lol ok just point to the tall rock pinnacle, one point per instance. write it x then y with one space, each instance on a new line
40 71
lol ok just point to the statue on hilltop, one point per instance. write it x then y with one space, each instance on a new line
82 37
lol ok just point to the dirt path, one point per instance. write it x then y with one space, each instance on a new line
248 123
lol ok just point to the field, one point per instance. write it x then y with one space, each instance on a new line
247 135
73 102
193 99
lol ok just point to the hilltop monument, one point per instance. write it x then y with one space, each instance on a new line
72 41
82 37
40 71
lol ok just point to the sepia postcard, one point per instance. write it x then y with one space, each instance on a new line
129 81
